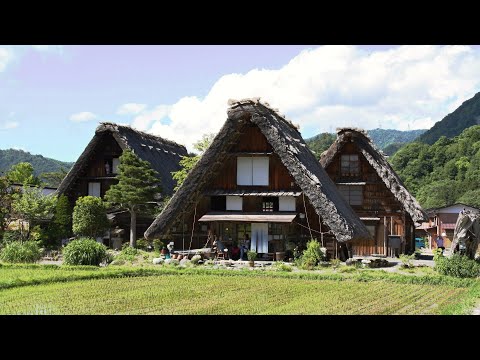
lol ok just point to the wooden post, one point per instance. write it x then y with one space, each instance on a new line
385 235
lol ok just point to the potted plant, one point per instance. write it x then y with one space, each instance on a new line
251 255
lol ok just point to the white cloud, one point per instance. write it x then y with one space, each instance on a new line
143 121
331 86
49 48
5 57
7 125
131 109
83 116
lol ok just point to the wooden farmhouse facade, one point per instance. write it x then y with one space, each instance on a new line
442 221
258 177
96 168
375 192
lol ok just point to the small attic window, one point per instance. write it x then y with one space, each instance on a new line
350 165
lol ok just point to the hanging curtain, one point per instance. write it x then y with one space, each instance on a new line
259 241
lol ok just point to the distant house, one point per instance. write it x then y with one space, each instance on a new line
14 223
96 168
373 189
442 221
258 177
47 190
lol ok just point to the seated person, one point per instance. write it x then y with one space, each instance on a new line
218 246
234 251
244 246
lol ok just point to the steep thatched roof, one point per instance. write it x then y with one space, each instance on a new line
288 144
378 161
163 155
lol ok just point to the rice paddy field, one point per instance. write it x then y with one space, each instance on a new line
77 290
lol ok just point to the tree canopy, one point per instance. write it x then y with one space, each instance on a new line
443 173
32 205
188 162
90 217
22 173
138 185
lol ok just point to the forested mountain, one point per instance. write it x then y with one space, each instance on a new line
385 137
387 140
466 115
40 164
443 173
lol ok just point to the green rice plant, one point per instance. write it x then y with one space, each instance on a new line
84 251
193 291
347 269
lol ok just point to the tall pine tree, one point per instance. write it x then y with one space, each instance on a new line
137 185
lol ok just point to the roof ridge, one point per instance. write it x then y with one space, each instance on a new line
108 125
232 103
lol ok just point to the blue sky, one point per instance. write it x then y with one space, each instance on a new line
52 97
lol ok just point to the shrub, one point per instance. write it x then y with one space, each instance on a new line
21 252
142 244
437 254
158 244
279 266
251 255
90 217
84 251
335 263
109 256
127 254
312 255
457 265
407 261
10 236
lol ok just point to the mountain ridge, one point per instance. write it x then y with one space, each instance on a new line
41 164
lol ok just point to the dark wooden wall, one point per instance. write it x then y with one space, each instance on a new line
378 201
107 148
252 142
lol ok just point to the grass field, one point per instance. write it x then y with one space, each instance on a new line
119 290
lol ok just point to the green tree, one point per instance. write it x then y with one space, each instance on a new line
53 179
31 205
22 173
188 162
138 184
62 220
471 197
6 199
318 144
90 217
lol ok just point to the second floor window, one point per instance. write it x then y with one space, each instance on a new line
350 165
270 204
352 193
252 170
